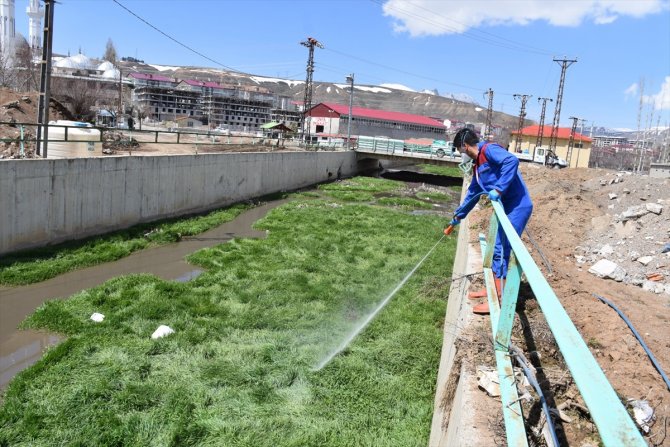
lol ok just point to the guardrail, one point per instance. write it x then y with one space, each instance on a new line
615 426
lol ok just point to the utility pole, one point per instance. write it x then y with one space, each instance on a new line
45 79
565 63
118 114
350 80
638 148
540 132
579 148
647 132
522 116
310 43
489 114
571 142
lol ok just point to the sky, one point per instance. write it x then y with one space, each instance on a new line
462 47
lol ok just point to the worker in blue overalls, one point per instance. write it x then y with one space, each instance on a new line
495 173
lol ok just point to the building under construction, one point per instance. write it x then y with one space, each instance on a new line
237 108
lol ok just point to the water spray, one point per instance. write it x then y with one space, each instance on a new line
371 317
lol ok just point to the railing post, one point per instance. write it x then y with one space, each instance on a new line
510 295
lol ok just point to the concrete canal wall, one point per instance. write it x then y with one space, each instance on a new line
49 201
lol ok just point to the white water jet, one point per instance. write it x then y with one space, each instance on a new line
358 329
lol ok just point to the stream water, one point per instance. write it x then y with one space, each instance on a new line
20 349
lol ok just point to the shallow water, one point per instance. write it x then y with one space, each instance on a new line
19 349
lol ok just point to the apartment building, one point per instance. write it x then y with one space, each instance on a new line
238 108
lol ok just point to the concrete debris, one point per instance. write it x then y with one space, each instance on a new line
643 414
612 196
608 269
645 260
487 379
626 191
162 331
654 287
97 317
633 212
666 249
654 208
606 250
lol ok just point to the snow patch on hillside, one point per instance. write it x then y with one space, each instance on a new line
398 87
290 82
164 67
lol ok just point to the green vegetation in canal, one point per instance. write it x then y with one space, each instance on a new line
449 171
367 184
37 265
238 369
406 203
434 196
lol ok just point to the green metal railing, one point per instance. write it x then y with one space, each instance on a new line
615 426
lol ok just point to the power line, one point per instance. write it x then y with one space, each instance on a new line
175 40
367 61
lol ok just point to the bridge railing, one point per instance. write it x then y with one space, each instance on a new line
615 426
390 146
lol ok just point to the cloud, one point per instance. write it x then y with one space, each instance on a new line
631 91
661 100
430 17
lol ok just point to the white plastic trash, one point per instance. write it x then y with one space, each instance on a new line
643 413
97 317
162 331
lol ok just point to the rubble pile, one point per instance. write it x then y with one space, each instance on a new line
22 108
631 242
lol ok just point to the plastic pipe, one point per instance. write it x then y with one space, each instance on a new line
639 338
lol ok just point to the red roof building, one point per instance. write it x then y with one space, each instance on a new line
577 156
563 133
330 118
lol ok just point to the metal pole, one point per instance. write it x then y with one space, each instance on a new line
571 141
49 14
43 76
350 79
565 63
118 114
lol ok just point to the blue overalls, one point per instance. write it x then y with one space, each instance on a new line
498 169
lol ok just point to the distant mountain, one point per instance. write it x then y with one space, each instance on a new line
393 97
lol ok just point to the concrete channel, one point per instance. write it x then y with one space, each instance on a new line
451 424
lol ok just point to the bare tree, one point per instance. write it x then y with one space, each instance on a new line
7 71
77 94
27 74
142 110
110 52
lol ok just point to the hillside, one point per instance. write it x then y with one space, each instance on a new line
374 97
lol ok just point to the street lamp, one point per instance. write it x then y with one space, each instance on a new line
350 80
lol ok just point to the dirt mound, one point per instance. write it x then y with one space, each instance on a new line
583 216
22 108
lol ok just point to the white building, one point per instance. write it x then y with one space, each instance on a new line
35 16
7 27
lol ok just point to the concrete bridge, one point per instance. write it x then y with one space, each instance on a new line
410 156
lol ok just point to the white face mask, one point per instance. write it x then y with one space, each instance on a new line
465 157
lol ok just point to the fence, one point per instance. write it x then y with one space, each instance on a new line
120 139
615 426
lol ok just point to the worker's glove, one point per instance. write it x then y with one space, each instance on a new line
455 221
494 195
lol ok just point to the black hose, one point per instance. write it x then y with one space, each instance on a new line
639 338
523 362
